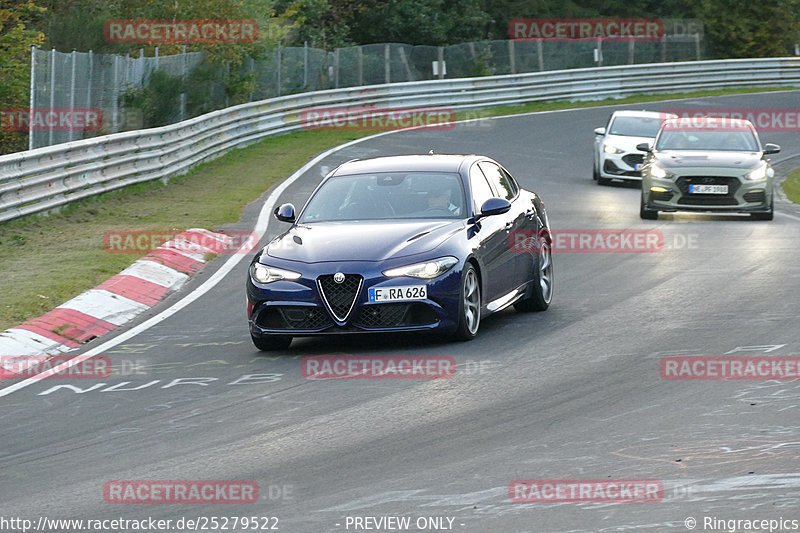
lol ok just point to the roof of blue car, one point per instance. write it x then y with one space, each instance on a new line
405 163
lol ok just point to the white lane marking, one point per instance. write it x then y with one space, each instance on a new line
105 305
156 273
787 215
16 341
260 229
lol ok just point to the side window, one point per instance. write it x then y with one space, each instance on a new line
480 188
512 184
502 183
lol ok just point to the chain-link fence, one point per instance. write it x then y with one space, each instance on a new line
78 95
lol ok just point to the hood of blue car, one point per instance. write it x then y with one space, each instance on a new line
360 241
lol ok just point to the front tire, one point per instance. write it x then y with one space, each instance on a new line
645 213
769 215
542 293
469 308
270 343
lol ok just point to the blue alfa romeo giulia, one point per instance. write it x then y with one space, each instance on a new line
402 244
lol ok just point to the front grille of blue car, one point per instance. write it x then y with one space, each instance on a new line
395 315
340 298
294 318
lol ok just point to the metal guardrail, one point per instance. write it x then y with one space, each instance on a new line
50 177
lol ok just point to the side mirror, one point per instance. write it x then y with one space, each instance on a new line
770 148
285 213
599 131
494 206
644 147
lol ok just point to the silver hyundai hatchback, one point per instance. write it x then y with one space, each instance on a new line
707 164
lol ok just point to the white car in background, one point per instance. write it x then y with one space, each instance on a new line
615 153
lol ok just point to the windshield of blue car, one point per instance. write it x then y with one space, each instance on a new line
635 126
735 140
387 195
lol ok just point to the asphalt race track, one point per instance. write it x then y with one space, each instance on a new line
574 393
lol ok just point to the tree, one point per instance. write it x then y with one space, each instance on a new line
747 29
16 39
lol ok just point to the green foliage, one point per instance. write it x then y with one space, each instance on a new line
158 102
747 29
16 39
208 87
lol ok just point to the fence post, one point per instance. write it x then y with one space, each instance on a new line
631 45
90 59
404 61
387 66
336 68
540 54
251 67
32 102
305 65
697 45
72 92
115 97
279 68
599 51
440 58
663 48
512 60
52 91
360 65
184 77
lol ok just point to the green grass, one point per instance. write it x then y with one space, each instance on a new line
46 260
791 186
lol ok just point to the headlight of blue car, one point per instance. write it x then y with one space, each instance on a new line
426 270
267 274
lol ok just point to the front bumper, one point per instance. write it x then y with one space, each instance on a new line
297 308
743 195
621 166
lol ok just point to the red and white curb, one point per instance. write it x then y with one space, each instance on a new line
116 301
